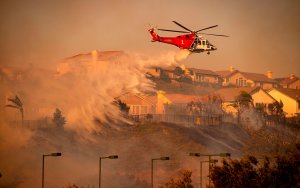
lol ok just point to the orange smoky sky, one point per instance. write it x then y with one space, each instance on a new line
264 35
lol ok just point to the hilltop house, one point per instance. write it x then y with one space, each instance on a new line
246 79
228 96
161 103
292 82
139 104
260 97
205 76
290 99
166 73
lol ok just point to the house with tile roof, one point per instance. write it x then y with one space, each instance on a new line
292 82
238 78
228 95
290 99
205 76
162 103
139 104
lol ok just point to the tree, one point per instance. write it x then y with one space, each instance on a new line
276 108
183 181
242 101
16 103
248 172
58 118
276 111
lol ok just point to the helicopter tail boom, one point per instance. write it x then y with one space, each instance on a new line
155 37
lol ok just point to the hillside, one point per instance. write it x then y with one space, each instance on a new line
135 145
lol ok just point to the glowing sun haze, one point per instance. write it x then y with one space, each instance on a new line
264 35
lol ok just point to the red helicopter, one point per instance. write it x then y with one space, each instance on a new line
191 41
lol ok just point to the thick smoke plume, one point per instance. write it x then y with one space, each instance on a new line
83 86
100 77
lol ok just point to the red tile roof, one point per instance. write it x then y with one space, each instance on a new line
229 94
287 80
138 99
258 77
226 73
293 93
203 71
182 99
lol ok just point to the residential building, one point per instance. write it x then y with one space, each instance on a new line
161 103
139 104
292 82
205 76
259 96
290 99
228 96
237 78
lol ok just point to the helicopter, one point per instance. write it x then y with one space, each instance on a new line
192 41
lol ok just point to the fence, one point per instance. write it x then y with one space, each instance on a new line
189 120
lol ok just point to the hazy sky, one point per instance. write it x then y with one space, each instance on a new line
264 35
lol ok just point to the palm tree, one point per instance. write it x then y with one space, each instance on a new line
16 103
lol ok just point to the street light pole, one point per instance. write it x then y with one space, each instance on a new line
43 168
152 161
43 171
109 157
209 159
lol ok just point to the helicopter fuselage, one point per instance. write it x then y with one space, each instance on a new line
192 42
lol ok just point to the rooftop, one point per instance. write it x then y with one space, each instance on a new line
229 94
203 71
293 93
287 80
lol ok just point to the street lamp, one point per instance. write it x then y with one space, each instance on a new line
214 161
209 159
52 155
108 157
162 159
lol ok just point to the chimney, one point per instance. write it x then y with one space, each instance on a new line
231 69
269 74
292 76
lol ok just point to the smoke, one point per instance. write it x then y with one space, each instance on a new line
100 77
13 144
83 87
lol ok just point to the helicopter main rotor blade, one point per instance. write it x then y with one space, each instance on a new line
173 31
214 35
183 27
206 28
